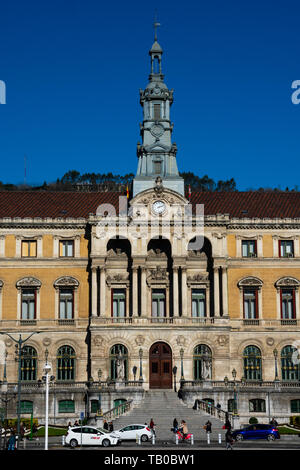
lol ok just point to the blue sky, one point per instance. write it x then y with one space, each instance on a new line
73 71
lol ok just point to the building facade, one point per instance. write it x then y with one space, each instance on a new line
158 291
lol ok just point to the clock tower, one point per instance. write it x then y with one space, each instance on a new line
156 154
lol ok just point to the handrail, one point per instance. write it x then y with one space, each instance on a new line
117 411
213 410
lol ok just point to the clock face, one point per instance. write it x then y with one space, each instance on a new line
159 207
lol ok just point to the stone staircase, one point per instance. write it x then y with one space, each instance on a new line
163 406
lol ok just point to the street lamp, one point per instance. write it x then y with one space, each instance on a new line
234 391
19 344
181 359
141 370
47 369
99 378
275 353
174 373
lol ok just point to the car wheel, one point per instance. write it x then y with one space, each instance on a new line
239 437
106 443
73 443
144 438
271 437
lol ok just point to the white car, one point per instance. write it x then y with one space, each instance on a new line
130 432
89 436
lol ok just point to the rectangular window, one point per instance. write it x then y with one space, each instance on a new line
66 248
249 248
158 303
198 303
28 304
66 304
250 304
118 303
157 167
288 310
286 248
156 112
29 248
66 406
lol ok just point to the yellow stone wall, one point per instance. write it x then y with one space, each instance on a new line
269 276
10 246
268 246
231 246
47 246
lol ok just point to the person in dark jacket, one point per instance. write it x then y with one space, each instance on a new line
229 440
105 425
111 427
175 425
208 427
12 441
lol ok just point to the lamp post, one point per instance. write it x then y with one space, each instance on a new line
47 369
134 371
181 359
19 345
235 411
141 364
275 353
174 373
99 378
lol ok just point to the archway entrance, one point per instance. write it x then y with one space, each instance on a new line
160 364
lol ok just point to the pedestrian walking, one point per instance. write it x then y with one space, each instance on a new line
207 427
229 440
273 422
175 425
105 425
110 427
152 426
12 441
227 424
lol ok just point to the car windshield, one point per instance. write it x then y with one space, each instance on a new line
103 430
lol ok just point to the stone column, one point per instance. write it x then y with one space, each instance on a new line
216 292
102 293
175 292
225 290
94 292
134 292
184 290
144 296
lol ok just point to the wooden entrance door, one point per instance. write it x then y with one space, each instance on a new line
160 363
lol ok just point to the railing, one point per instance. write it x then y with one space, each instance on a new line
212 384
118 411
213 410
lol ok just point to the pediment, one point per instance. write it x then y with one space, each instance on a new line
145 199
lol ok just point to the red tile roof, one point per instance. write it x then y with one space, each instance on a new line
250 204
80 204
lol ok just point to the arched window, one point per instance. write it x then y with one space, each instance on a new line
66 360
252 363
289 367
118 362
202 362
28 363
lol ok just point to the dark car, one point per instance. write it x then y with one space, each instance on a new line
257 431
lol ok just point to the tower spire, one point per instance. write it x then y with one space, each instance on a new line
156 25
